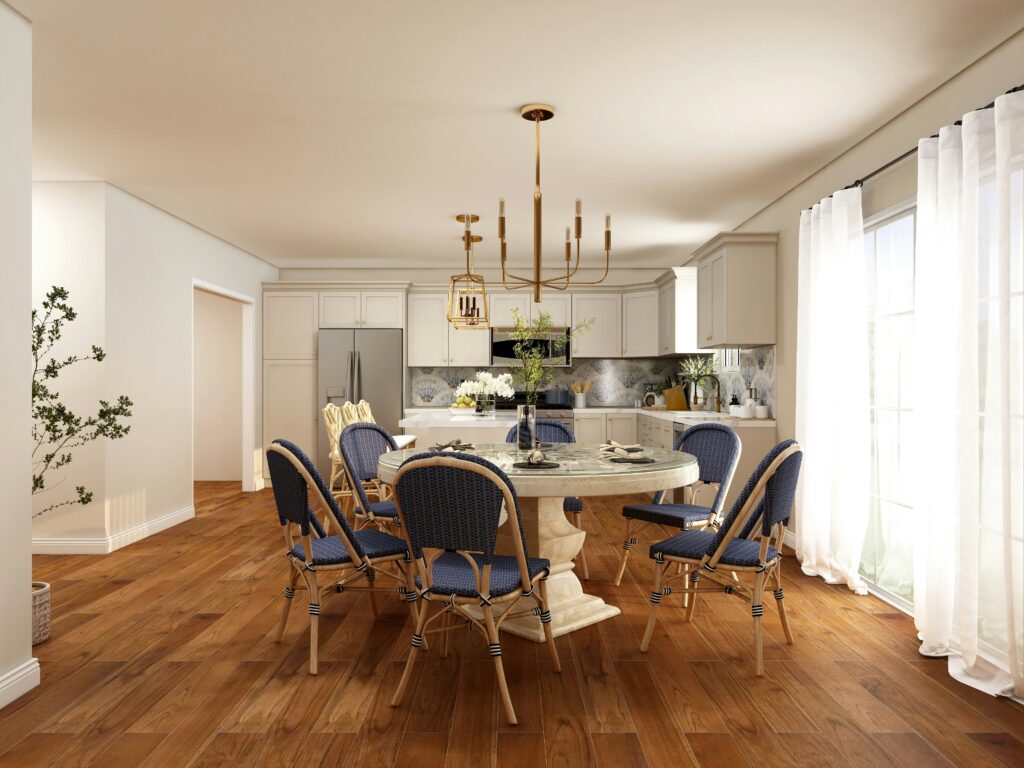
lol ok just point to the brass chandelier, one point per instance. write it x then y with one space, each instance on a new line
538 113
467 293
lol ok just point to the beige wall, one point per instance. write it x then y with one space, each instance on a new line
217 387
990 76
19 672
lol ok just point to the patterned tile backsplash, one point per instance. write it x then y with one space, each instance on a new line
612 381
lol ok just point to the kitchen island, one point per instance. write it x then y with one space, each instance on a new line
435 427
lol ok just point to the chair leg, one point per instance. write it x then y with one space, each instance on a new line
417 643
370 577
694 578
756 609
685 571
314 619
444 635
582 556
659 573
289 593
626 544
499 669
545 620
779 601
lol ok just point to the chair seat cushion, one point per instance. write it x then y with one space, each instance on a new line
382 509
682 516
572 504
453 575
693 545
331 550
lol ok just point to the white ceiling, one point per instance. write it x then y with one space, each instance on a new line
329 133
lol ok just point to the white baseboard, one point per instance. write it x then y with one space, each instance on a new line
102 545
790 540
18 681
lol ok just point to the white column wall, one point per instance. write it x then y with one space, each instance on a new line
19 672
217 387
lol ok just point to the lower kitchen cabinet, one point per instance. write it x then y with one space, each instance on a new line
621 427
590 428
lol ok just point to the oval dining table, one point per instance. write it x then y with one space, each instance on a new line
549 534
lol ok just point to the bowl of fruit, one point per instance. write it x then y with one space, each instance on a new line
463 404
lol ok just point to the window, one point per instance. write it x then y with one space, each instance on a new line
887 560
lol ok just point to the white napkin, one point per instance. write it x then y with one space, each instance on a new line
612 448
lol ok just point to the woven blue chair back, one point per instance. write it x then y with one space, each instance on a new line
453 508
717 448
548 431
361 445
780 490
291 494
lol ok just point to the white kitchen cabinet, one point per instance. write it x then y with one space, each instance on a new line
501 304
469 348
603 337
590 428
640 324
736 290
428 330
289 404
432 342
290 321
677 312
622 428
654 432
362 309
557 305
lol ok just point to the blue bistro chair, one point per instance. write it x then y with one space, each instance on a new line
348 555
361 445
717 448
748 543
550 431
450 506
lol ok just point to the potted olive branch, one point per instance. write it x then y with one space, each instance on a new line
57 430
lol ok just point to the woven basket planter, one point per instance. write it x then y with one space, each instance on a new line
40 612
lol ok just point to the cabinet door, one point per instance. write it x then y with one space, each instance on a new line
428 330
603 337
469 348
590 428
289 404
705 305
558 305
718 308
383 309
502 304
290 322
684 312
339 309
640 324
622 428
666 319
664 437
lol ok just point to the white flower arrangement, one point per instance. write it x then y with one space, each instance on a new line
486 383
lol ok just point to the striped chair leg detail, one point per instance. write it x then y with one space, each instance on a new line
421 620
371 575
549 637
627 544
756 611
289 593
780 602
499 669
659 574
692 603
314 619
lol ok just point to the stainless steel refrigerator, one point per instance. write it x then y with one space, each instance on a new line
359 364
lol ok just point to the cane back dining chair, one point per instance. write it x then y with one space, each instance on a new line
551 431
717 449
748 544
451 506
361 446
345 556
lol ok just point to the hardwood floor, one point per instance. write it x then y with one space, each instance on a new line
162 655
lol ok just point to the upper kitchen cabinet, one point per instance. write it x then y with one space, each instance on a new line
736 290
362 309
501 304
290 321
603 337
432 342
677 312
557 305
640 315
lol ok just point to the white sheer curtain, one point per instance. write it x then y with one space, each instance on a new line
832 415
969 335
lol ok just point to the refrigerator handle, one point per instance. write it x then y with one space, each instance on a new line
357 380
348 375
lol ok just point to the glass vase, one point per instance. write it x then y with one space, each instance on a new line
526 426
485 404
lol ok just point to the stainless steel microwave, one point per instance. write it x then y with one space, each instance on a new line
503 349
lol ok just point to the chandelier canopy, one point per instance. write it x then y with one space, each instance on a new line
539 113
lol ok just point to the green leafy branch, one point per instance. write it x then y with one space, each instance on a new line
57 430
532 342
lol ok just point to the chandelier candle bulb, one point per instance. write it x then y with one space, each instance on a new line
579 207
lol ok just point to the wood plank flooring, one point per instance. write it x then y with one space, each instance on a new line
162 655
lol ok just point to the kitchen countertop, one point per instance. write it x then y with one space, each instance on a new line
425 416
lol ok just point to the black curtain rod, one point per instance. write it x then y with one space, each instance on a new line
860 182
